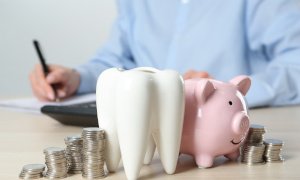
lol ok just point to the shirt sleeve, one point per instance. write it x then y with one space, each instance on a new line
273 29
115 53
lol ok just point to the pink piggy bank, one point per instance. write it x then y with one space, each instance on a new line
216 119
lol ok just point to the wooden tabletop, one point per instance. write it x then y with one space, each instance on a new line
23 136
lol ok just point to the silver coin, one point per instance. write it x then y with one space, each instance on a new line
257 126
32 171
273 142
92 129
53 150
34 167
72 137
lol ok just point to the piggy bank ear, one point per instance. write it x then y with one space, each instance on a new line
243 83
203 90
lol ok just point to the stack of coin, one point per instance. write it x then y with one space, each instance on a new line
253 154
73 154
32 171
255 134
93 153
253 149
56 162
273 150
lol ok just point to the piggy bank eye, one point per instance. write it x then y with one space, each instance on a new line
230 103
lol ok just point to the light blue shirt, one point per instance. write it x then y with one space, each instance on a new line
226 38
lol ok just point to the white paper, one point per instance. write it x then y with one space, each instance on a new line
34 105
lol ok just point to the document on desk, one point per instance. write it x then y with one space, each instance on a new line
34 105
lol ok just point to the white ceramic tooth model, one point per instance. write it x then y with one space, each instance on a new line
136 107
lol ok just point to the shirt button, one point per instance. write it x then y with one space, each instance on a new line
185 1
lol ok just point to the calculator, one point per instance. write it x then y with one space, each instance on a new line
83 114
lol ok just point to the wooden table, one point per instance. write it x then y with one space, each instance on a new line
24 136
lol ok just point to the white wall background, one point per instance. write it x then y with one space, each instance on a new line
69 31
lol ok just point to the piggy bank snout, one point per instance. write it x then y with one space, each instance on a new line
240 123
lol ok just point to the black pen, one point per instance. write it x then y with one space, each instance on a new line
44 65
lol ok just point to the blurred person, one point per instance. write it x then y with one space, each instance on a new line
207 39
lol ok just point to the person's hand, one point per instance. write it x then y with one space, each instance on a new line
65 80
196 74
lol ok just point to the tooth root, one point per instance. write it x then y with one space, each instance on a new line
170 120
133 119
106 118
150 151
112 152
